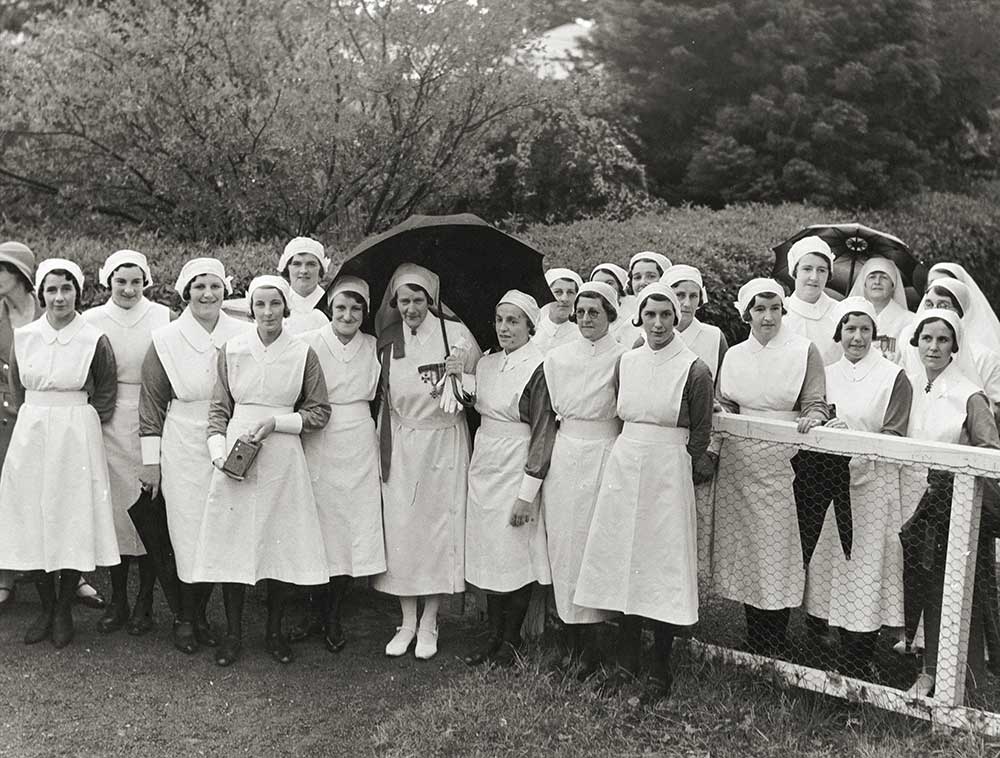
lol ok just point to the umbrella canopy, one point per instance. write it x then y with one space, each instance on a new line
852 245
476 263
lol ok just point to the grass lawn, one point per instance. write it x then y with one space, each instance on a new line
119 695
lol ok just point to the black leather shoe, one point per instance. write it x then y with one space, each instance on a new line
184 637
505 656
62 627
310 626
204 634
114 618
39 629
278 647
334 639
485 653
139 625
229 651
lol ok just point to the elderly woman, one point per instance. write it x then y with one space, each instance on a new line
424 444
263 525
178 376
505 550
623 329
641 553
948 406
554 325
881 284
862 592
303 263
757 558
54 491
343 457
128 319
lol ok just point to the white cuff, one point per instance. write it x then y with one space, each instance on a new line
217 447
150 447
288 423
529 488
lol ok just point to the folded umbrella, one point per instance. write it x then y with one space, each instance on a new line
149 516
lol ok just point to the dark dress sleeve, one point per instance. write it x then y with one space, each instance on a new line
14 380
314 401
812 396
102 380
980 429
155 395
897 414
723 347
696 408
220 410
535 409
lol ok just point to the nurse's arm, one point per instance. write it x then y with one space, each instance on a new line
897 413
535 409
220 410
102 380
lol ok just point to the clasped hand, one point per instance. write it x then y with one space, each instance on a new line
522 513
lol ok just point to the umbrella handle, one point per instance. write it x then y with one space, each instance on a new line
460 395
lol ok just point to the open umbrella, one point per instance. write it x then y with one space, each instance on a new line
476 263
852 245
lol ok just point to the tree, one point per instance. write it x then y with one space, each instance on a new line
819 100
237 118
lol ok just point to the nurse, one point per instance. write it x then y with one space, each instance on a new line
424 449
641 552
269 389
950 408
881 284
343 457
622 329
303 263
554 325
178 376
54 491
581 388
757 558
810 309
128 319
645 268
505 550
861 595
707 341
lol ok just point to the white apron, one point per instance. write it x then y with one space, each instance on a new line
343 456
641 555
189 356
757 553
549 335
581 381
265 527
865 593
130 333
815 322
704 341
425 498
55 506
500 557
304 317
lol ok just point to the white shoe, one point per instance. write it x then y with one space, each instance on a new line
399 644
427 644
922 687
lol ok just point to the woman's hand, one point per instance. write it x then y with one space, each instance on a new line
149 478
808 423
522 513
219 463
260 432
836 423
454 364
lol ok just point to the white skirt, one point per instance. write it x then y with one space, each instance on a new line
54 495
266 526
121 445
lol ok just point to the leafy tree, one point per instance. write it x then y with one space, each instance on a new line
237 118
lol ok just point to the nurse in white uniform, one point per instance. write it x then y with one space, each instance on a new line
505 550
269 389
55 504
128 319
554 325
178 376
303 263
757 554
881 284
623 329
343 457
810 309
641 553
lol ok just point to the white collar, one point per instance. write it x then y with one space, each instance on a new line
127 317
299 304
271 353
693 329
525 353
603 345
428 327
812 311
782 338
674 348
199 339
341 351
857 372
63 336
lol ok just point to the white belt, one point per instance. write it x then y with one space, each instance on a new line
590 430
435 422
357 411
128 392
654 433
53 398
192 410
493 427
255 411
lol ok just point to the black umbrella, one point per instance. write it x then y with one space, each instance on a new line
852 245
476 263
149 516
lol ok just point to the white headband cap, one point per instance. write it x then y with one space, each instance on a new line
268 280
887 267
657 288
853 305
805 246
681 272
352 284
563 273
198 267
945 315
601 288
615 270
124 258
52 264
525 302
955 287
648 255
754 287
303 245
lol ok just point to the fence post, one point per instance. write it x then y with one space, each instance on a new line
959 583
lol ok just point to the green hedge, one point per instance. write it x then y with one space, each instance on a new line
729 245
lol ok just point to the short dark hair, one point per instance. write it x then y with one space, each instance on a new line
145 281
186 294
609 310
915 339
656 297
357 298
840 325
632 266
618 284
430 300
59 272
945 292
287 311
23 280
753 302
